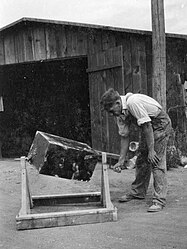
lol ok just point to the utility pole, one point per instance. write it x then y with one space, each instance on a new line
158 52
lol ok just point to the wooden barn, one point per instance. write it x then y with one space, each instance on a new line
53 73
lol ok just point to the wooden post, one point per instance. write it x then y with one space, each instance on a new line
103 196
159 55
1 110
105 192
159 52
26 200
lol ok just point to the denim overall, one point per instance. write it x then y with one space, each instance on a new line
161 128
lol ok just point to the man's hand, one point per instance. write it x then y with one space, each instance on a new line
117 167
153 158
149 136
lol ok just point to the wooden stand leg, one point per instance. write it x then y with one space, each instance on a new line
26 200
105 192
103 198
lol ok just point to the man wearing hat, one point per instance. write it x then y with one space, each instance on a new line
155 125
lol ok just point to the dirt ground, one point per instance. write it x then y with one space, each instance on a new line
135 227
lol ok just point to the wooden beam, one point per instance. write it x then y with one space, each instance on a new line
113 155
49 200
105 194
159 52
26 200
101 68
68 218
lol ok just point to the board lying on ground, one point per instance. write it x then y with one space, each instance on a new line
28 220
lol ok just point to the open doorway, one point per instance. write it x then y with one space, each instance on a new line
49 96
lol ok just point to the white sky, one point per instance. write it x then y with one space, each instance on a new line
133 14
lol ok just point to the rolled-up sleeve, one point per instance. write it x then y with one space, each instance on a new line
139 112
123 127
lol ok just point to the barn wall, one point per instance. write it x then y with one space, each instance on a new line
35 41
176 52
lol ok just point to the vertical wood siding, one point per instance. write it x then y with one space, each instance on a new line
94 41
124 40
19 46
105 70
39 41
9 49
139 76
2 56
40 50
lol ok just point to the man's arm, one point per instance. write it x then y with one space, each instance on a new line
124 149
123 153
149 136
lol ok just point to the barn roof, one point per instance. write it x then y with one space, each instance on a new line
26 20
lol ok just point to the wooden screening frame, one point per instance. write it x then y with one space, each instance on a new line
26 220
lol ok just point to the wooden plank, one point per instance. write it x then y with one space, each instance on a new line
94 41
106 201
114 139
139 73
97 82
61 42
96 131
108 154
103 67
106 187
30 201
26 201
72 40
9 49
40 51
2 55
82 45
65 41
143 66
103 195
70 218
99 137
108 40
51 46
136 75
124 40
104 133
28 45
103 115
116 79
19 46
94 82
63 213
49 200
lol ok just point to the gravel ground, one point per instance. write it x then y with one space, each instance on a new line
135 228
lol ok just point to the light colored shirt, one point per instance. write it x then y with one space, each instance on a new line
141 106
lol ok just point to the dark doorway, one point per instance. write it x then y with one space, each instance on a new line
48 96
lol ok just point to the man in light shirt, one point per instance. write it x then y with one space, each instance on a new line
155 124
